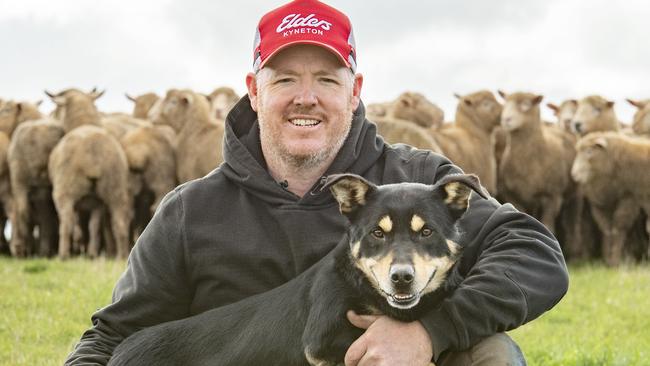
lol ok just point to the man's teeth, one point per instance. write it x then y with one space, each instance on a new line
305 122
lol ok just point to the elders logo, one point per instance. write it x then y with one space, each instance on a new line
295 21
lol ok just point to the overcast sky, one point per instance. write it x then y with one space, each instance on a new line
561 49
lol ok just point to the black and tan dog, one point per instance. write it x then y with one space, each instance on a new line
394 259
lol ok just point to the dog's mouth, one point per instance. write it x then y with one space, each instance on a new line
403 301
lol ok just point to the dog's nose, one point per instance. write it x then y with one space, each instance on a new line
401 274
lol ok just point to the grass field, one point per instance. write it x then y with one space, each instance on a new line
604 319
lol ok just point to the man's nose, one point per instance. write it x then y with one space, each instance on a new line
306 96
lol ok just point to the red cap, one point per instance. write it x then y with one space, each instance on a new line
304 22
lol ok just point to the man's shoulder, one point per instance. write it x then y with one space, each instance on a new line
406 163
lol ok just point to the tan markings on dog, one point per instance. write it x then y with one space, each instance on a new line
424 267
386 224
457 195
454 247
316 362
416 223
377 270
355 249
373 310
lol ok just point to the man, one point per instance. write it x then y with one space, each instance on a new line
260 219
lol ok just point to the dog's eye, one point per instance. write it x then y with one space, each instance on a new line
378 233
426 232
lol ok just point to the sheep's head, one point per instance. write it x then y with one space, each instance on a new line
180 107
564 112
415 107
143 104
482 107
13 113
520 110
75 104
592 157
594 113
641 124
221 101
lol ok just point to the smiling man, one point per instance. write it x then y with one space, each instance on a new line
260 219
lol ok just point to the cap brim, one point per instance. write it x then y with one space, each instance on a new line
315 43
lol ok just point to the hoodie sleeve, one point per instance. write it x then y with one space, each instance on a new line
511 271
153 289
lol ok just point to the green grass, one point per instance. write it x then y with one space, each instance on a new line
45 305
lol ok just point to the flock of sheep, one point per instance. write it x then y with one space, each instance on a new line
585 176
81 182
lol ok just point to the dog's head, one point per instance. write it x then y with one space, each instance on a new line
402 236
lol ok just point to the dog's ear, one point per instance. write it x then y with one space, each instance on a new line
455 190
350 190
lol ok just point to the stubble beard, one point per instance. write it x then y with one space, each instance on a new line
280 153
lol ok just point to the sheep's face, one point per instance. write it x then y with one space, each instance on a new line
177 107
594 113
221 101
8 113
566 112
591 159
417 108
519 110
641 124
304 99
485 107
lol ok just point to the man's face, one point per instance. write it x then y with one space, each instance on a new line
304 98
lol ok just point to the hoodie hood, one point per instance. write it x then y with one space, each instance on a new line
244 163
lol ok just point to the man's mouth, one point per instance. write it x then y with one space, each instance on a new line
304 122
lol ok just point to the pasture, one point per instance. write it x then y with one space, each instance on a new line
45 305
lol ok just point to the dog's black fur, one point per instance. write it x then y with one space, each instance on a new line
303 321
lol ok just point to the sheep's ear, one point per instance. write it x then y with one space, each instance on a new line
350 190
457 96
455 190
601 142
553 107
537 99
57 99
610 104
187 99
95 94
129 97
502 94
38 102
636 103
573 101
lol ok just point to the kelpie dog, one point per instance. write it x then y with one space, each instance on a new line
394 259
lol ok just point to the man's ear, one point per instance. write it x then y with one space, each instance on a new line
251 85
350 190
357 84
455 190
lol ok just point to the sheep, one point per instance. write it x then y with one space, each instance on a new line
397 131
536 163
614 171
594 113
152 166
28 157
468 142
409 106
118 125
14 113
89 172
143 104
5 192
199 141
76 108
641 124
564 113
222 99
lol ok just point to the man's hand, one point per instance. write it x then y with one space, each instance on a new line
388 342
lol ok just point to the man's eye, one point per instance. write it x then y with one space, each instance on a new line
377 233
283 80
330 81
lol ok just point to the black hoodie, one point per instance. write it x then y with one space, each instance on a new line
237 232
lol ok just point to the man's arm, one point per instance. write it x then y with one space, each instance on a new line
515 272
152 290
